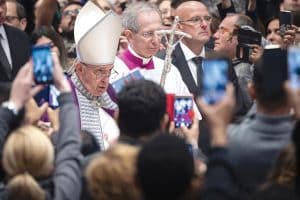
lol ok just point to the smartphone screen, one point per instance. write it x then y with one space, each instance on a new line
42 64
215 79
294 66
183 111
285 21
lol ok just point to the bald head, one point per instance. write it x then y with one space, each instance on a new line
194 20
189 6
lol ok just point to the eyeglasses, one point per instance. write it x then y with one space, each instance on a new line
197 20
149 34
71 12
11 18
223 30
99 74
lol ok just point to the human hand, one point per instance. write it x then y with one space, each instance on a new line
191 134
33 112
23 87
289 36
256 53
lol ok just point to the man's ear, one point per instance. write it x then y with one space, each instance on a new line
128 34
79 69
23 23
251 90
164 123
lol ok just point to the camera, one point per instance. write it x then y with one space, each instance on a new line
247 36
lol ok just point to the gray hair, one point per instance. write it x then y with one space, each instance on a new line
242 20
130 15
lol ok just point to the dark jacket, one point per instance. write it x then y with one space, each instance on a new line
19 45
65 182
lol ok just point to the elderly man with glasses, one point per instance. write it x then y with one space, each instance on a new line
141 21
96 37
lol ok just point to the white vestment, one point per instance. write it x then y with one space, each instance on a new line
173 84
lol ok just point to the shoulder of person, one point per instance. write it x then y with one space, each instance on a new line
12 30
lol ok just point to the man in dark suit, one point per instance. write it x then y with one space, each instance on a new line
194 19
14 49
187 55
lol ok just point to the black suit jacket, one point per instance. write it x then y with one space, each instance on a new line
19 45
179 61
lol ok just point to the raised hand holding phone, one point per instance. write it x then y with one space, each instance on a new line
219 115
285 21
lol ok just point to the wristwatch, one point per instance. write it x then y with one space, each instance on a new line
10 106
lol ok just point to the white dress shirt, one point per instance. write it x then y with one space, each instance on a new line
5 45
189 55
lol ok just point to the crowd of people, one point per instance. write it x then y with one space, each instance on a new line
101 125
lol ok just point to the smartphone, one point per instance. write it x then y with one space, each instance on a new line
183 111
50 95
215 79
274 71
42 64
247 37
285 21
294 66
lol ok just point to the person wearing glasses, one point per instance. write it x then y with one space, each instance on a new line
226 43
96 37
15 47
195 20
16 15
140 22
66 26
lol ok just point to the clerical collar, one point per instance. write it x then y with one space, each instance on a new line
144 60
